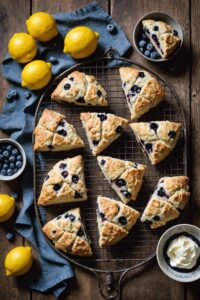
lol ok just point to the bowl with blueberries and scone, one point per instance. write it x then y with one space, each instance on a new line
157 37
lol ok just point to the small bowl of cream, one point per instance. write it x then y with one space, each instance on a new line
178 253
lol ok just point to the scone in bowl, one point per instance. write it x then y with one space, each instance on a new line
161 258
157 16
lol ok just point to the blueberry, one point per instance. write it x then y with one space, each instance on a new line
102 117
111 28
6 153
175 32
58 217
144 36
12 166
12 158
53 60
99 93
141 75
102 216
154 126
1 157
80 232
141 49
71 217
142 44
15 195
126 194
62 132
6 161
63 166
9 147
161 192
57 187
15 151
120 182
155 28
50 147
67 86
154 55
77 195
149 147
147 53
19 157
95 143
5 166
10 236
80 100
156 218
75 178
27 95
122 220
172 134
18 164
15 170
119 129
103 162
149 46
61 123
71 78
9 172
3 172
154 37
64 174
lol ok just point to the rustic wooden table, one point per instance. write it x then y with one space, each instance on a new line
183 73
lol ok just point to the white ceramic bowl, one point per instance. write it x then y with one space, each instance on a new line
158 16
21 150
178 276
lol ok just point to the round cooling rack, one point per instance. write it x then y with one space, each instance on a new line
139 246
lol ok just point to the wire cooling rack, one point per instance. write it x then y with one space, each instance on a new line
139 246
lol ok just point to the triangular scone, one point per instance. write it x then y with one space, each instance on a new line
68 234
102 129
54 133
114 220
141 89
80 89
157 138
124 176
64 183
162 36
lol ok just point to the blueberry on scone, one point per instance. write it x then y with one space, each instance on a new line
102 129
64 183
141 89
114 220
157 138
54 133
125 177
68 233
80 89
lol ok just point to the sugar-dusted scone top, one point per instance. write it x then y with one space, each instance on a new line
157 138
114 220
54 133
141 89
162 36
81 89
125 177
64 183
167 201
102 129
68 234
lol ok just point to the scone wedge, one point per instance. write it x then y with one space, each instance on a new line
80 89
114 220
167 201
102 129
54 133
64 183
157 138
162 36
68 234
125 177
141 89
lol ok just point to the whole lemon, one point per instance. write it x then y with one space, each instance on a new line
36 74
7 207
22 47
18 261
42 26
80 42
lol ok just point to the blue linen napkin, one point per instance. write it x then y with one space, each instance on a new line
17 119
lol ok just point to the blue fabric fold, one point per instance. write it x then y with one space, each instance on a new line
54 272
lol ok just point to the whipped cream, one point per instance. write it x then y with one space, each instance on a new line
183 252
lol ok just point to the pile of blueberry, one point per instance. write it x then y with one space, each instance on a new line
147 48
10 159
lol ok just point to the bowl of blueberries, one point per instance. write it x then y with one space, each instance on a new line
145 46
12 159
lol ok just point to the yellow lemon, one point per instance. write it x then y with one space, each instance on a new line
22 47
80 42
18 261
7 207
42 26
36 74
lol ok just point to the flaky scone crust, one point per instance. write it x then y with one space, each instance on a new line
84 87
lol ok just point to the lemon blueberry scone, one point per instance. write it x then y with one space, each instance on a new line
64 183
157 138
124 176
102 129
54 133
68 234
114 219
167 201
80 89
141 89
162 36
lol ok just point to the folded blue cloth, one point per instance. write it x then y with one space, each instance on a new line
17 119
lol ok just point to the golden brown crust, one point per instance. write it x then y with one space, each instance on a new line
114 219
54 133
142 90
102 129
67 232
159 141
80 89
128 174
60 186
